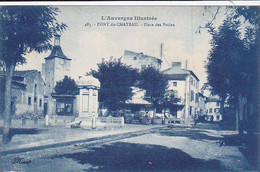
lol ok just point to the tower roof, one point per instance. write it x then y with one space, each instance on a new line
57 52
177 72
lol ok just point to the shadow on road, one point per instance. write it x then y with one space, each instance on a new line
137 157
15 131
191 134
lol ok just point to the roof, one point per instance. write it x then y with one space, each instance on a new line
23 73
132 53
201 95
63 96
88 81
178 71
18 85
57 52
211 99
138 97
176 76
15 84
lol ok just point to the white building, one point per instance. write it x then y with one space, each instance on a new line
87 100
213 109
185 85
202 105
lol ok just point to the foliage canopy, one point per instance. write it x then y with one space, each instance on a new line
24 29
116 80
232 62
154 83
66 86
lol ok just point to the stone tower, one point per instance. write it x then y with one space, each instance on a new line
56 66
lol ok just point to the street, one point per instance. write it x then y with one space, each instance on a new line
157 149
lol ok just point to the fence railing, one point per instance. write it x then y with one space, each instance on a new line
111 121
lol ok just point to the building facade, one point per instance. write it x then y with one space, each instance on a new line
87 100
185 85
213 109
27 93
202 110
55 68
140 60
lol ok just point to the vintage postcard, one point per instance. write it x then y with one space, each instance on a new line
128 86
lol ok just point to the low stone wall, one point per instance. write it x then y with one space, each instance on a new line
58 120
85 122
111 121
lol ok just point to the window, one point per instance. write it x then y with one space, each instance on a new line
135 58
35 99
94 92
197 98
210 110
40 103
192 96
60 107
216 110
29 101
64 108
217 103
85 102
174 84
35 89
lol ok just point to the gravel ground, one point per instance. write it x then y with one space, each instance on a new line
179 148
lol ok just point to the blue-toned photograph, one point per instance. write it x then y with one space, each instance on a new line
129 87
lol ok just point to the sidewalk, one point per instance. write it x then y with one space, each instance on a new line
38 135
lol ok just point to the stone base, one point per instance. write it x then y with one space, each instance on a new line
88 123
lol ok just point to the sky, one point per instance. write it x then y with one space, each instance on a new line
86 46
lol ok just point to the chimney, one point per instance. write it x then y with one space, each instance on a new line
56 40
186 64
176 65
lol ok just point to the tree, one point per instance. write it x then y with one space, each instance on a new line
66 86
169 99
154 83
116 80
23 29
232 65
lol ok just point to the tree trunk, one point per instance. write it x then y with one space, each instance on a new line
222 109
154 111
7 104
241 113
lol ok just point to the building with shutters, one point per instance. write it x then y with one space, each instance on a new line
185 85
